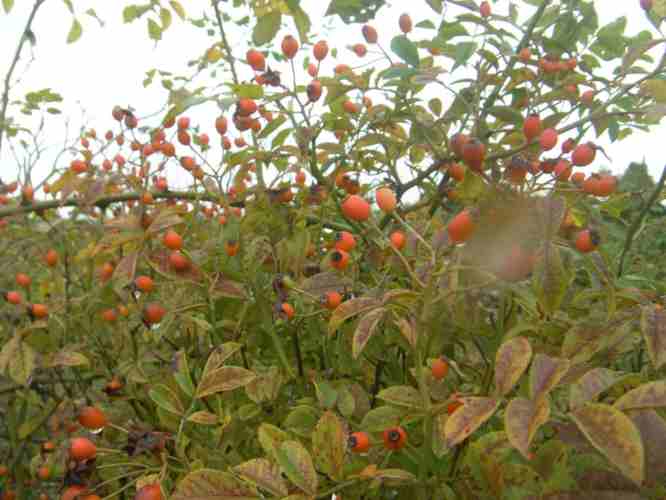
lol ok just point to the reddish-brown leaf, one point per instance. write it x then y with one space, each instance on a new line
512 359
522 419
469 417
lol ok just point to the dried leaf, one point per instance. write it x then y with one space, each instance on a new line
512 359
329 281
223 379
408 330
264 475
469 417
550 279
366 327
208 484
349 309
219 355
328 445
18 359
653 434
615 436
204 418
522 420
545 374
653 326
66 358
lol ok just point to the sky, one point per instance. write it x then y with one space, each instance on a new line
108 64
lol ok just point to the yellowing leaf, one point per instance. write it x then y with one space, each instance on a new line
512 359
469 417
203 418
264 475
328 445
612 433
209 484
177 8
653 326
401 395
522 419
545 374
224 379
590 385
647 396
75 31
296 463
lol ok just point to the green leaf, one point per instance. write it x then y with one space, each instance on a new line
272 126
435 5
154 30
177 8
68 3
248 90
507 114
75 31
464 51
165 17
401 395
167 399
212 484
612 433
522 420
378 419
266 28
182 373
328 445
263 474
297 464
18 360
512 359
365 329
7 5
301 20
550 279
406 50
468 418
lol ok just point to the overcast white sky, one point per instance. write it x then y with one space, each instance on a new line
107 65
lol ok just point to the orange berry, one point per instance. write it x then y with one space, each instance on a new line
256 60
172 240
183 123
351 107
221 125
344 240
74 492
144 283
485 10
178 261
289 47
548 139
532 127
231 248
369 33
92 418
359 442
247 107
453 406
356 208
320 50
331 300
287 310
38 311
473 154
81 448
386 199
525 55
44 473
110 315
359 49
583 154
439 369
395 438
339 259
314 90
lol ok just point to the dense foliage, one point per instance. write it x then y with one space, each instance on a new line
402 278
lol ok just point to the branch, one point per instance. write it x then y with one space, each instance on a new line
12 67
639 220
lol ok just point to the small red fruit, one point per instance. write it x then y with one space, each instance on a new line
178 261
23 280
583 154
646 4
314 90
221 125
149 492
339 259
81 448
548 139
587 241
532 127
74 492
144 283
461 227
359 442
92 418
359 49
231 247
287 310
183 123
369 33
356 208
473 153
153 313
13 297
457 172
405 23
524 55
247 107
395 438
38 311
110 315
485 10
